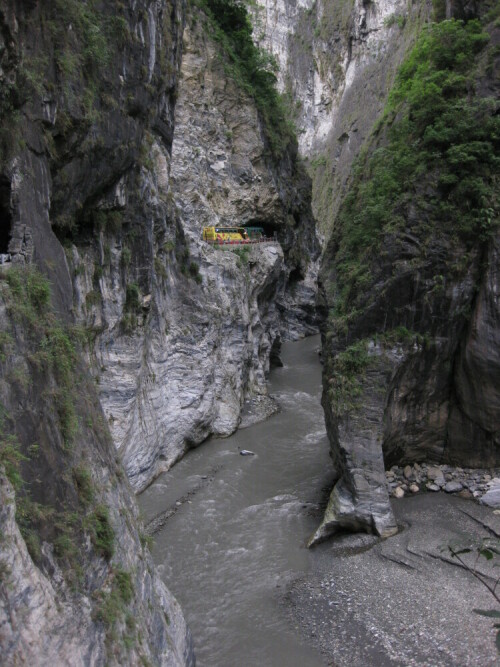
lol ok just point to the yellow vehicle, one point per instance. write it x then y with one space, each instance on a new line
225 234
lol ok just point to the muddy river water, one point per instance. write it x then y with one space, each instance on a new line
237 527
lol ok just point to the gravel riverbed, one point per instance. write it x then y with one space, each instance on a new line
404 601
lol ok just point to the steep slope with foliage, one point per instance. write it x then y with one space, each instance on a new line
80 84
337 62
77 581
410 278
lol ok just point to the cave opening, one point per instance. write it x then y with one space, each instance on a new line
5 216
296 275
275 356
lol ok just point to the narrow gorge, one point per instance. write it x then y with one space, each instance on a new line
361 138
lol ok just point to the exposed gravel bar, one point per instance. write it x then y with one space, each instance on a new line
402 601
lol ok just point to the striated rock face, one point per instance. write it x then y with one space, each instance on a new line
77 582
80 91
324 50
178 364
43 622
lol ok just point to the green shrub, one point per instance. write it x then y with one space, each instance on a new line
132 298
346 371
253 69
194 272
123 584
101 532
126 256
160 269
31 293
68 421
112 605
52 350
439 137
84 484
6 342
11 459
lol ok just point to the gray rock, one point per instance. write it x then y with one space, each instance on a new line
453 487
492 495
408 472
359 500
434 473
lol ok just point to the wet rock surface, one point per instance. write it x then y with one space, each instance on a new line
402 601
257 409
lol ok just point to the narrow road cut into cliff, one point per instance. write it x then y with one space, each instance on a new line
235 527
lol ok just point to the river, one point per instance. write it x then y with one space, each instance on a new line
236 535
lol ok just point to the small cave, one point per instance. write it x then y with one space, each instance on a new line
296 275
5 216
274 357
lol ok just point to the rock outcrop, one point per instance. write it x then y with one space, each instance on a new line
178 365
410 343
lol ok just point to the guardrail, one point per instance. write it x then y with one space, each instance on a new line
264 239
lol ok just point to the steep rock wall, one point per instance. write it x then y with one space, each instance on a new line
430 396
78 585
77 582
178 364
337 62
410 351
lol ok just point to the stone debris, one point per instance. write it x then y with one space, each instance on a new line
492 495
475 483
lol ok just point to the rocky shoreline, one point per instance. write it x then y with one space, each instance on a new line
481 484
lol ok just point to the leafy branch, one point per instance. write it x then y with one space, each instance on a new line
487 549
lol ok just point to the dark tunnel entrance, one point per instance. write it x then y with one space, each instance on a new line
269 230
5 216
